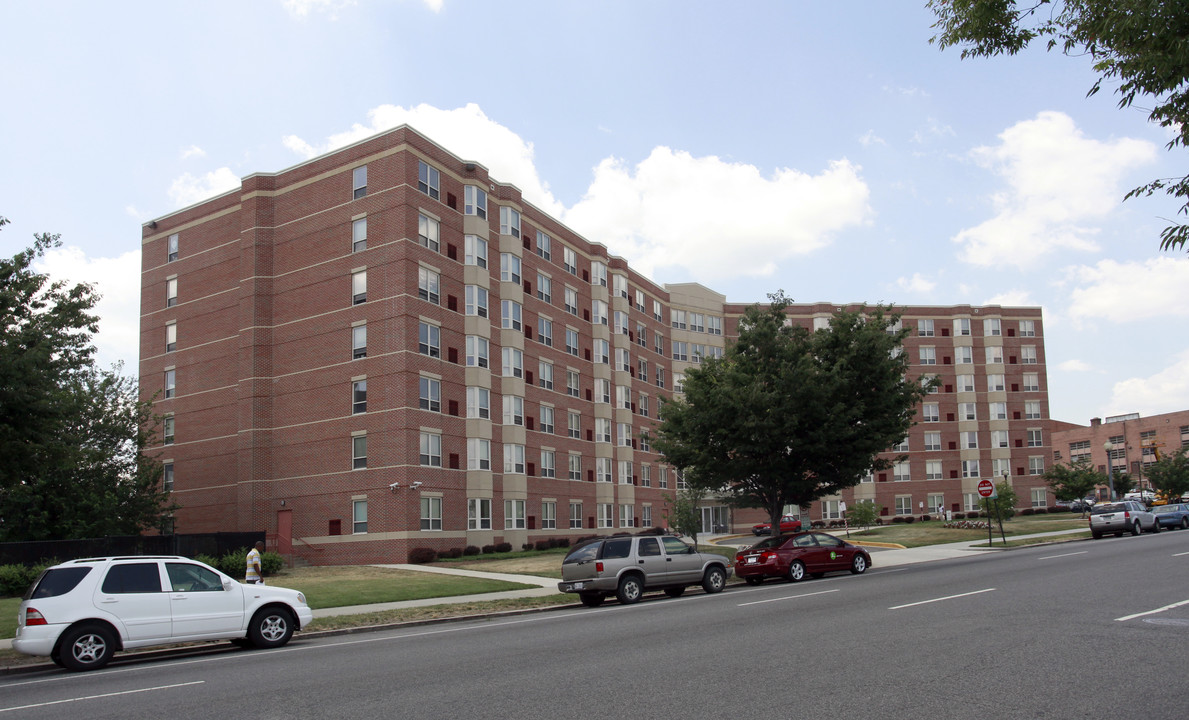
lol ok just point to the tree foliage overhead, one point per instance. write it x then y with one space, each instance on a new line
1141 44
72 437
788 416
1170 474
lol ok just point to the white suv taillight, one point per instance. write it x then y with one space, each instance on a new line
34 617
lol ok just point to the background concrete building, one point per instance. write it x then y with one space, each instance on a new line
385 348
1130 443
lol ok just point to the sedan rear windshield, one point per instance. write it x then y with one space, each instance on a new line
56 581
1108 508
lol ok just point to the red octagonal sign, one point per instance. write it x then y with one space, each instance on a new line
986 488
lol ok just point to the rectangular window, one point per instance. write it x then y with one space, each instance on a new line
992 327
431 450
513 458
477 351
359 342
994 354
1039 497
509 221
904 505
575 515
901 446
428 180
1036 465
548 515
429 285
968 411
431 394
167 477
478 403
677 319
576 467
474 201
359 452
544 245
359 517
932 469
999 439
626 516
544 289
713 325
509 268
359 182
970 469
598 273
603 469
513 365
969 440
928 355
171 337
1032 410
697 322
359 235
170 383
602 430
962 326
167 430
1034 438
662 477
602 390
1028 354
660 377
510 315
598 312
932 441
657 311
965 355
514 515
545 331
925 328
475 251
429 340
971 501
1000 467
1027 328
998 411
680 350
995 383
965 383
359 287
645 476
478 514
476 301
930 413
358 397
428 232
545 374
478 454
900 472
1031 382
606 517
571 305
572 341
171 248
572 380
171 292
569 261
574 424
513 410
625 434
431 513
602 350
548 467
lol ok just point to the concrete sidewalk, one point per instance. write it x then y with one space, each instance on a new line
548 586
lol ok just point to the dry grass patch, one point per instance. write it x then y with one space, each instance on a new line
338 586
548 565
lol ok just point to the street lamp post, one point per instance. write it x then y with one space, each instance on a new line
1110 474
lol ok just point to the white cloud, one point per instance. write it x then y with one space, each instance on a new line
117 280
466 132
304 8
869 138
192 151
1166 391
932 129
655 214
1011 298
1057 180
1074 366
1128 291
188 189
916 284
132 211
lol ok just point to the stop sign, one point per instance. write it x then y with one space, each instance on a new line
986 488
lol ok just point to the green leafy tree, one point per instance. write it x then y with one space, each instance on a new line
1074 481
73 438
682 513
1124 483
1006 502
1140 44
862 513
788 416
1170 475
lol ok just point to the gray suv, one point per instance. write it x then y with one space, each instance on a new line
629 566
1122 516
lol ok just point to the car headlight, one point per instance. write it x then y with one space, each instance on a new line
301 598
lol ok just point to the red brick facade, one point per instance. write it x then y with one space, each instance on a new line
1135 442
264 364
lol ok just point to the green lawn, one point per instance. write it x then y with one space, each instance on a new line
8 616
933 532
337 586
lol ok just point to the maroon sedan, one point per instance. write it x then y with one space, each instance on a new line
788 524
793 556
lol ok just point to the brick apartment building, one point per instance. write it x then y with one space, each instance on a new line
384 348
1132 443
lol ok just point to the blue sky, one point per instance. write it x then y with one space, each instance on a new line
826 149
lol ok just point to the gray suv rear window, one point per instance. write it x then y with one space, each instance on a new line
618 548
53 583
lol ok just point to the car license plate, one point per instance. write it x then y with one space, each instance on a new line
750 560
577 586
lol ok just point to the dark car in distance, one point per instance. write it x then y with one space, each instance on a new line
792 557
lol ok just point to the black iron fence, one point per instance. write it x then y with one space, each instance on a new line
216 544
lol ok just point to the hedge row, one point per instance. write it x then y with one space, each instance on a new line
423 555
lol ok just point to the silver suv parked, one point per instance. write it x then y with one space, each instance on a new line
629 566
1122 516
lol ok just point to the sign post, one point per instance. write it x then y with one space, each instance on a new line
845 521
986 489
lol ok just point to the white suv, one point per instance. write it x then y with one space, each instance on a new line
80 612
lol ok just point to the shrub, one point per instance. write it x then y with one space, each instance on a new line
470 550
488 549
1026 511
879 521
422 555
503 547
959 516
820 524
527 546
543 545
562 542
897 519
15 579
926 517
910 519
454 553
1041 511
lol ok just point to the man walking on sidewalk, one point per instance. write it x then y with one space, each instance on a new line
255 575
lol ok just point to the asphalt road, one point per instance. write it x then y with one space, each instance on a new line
1090 629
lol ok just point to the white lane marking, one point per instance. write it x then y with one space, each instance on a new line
1180 554
1152 612
948 597
104 695
787 597
1051 557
